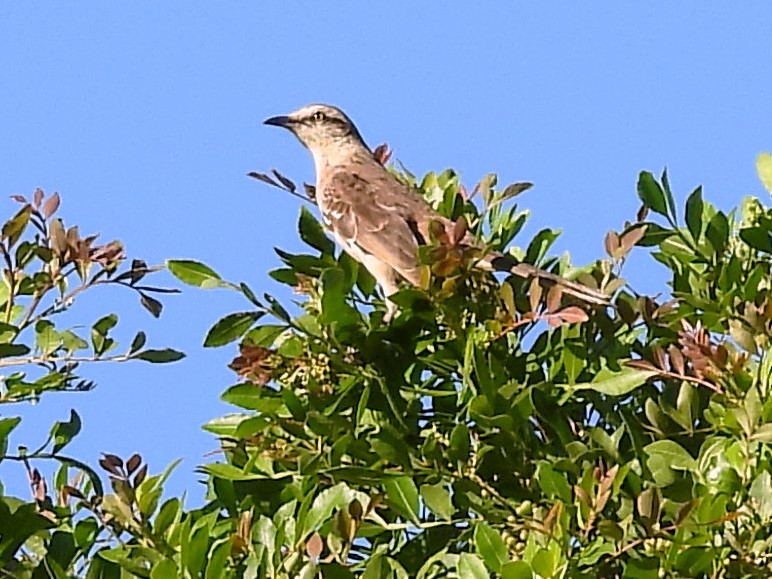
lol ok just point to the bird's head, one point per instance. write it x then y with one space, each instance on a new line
325 130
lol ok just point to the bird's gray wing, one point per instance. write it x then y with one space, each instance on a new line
375 212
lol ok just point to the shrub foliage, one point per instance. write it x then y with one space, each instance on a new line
493 428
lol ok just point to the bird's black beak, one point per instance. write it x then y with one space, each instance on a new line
281 121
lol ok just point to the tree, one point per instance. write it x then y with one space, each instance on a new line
492 428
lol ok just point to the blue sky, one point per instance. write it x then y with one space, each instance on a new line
146 116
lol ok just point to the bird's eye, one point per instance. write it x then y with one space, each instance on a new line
319 116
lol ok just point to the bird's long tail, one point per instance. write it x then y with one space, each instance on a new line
508 264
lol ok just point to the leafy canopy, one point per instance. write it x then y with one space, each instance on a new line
492 428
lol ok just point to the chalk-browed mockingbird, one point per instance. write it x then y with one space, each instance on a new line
379 221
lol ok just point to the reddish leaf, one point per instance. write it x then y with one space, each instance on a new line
50 206
573 315
459 231
553 298
382 153
676 359
314 546
133 463
642 365
659 357
612 244
632 237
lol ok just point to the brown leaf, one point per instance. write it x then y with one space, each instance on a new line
375 501
632 237
660 360
553 298
310 191
355 510
70 491
314 546
437 231
50 206
288 184
38 197
573 315
133 463
612 244
685 510
38 485
111 463
140 476
582 495
534 294
19 198
642 213
641 365
553 320
549 520
152 305
382 153
264 178
514 190
609 477
676 359
57 236
460 228
253 363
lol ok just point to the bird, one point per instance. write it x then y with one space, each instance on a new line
378 220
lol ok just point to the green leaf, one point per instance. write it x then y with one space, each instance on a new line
758 238
694 209
73 342
553 483
14 227
335 307
195 273
471 567
437 499
516 570
665 457
159 356
63 432
717 231
540 244
6 426
99 331
47 339
217 560
490 546
544 562
459 443
651 194
230 328
668 194
761 493
674 453
312 232
151 304
615 383
324 504
138 342
12 350
764 169
402 496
